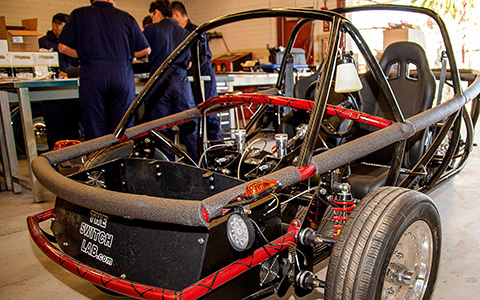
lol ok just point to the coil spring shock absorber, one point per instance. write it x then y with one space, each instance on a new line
345 203
315 212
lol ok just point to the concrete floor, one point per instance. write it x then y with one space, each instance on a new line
26 273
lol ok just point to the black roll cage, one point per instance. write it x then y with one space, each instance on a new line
340 24
190 212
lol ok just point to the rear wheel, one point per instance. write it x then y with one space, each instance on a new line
389 248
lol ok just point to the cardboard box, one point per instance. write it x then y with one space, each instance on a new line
22 59
403 34
5 65
3 46
23 64
49 59
5 60
46 62
20 38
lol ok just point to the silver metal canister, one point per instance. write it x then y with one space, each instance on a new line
240 137
281 140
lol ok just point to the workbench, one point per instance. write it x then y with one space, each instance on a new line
25 92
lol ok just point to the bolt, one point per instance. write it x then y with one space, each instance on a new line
147 140
399 255
390 290
200 241
65 244
157 166
147 150
123 276
211 178
122 165
212 187
159 174
294 223
323 191
124 183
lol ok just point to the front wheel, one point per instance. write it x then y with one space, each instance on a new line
389 248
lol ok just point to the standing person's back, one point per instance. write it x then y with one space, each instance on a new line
164 37
174 93
179 14
105 39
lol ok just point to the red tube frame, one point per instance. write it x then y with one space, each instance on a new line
230 100
222 102
142 291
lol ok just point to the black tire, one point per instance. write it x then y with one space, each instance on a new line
364 251
107 154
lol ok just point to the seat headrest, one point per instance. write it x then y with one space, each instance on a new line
404 53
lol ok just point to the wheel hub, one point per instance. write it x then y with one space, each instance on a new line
400 275
410 265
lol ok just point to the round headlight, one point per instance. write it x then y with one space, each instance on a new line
240 232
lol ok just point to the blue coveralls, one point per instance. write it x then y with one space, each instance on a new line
61 116
213 123
106 40
174 93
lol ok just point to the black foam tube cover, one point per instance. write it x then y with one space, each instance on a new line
119 204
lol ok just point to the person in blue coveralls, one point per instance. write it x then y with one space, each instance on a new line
106 40
179 14
61 116
174 93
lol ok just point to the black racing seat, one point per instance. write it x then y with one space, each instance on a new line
413 84
306 88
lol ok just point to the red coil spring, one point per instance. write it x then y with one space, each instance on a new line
341 214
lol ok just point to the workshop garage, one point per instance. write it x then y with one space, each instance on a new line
256 150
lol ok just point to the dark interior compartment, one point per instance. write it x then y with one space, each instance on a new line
157 178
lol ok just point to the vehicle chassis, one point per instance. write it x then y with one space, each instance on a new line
203 264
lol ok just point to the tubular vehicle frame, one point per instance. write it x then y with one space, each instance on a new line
246 223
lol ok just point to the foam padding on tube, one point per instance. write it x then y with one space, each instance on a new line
119 204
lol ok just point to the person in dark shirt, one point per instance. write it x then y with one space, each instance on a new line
50 42
61 116
146 21
174 93
179 14
106 40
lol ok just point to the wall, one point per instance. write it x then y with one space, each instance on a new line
43 10
252 36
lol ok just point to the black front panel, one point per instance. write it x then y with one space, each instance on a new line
163 255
